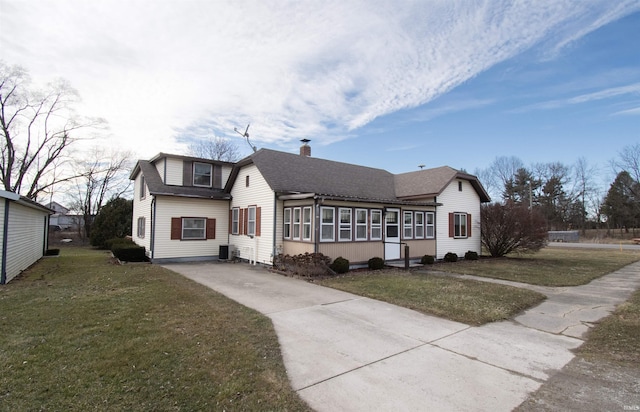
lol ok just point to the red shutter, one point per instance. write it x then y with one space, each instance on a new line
258 221
211 228
240 221
245 221
176 228
451 225
469 225
230 221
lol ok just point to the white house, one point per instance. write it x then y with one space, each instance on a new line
274 203
24 226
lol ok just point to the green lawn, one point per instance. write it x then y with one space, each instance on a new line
549 267
466 301
80 333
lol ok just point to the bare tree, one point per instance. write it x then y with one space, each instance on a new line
37 128
629 160
497 176
102 176
584 185
215 148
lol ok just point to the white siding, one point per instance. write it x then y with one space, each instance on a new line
174 171
160 166
25 237
257 194
226 173
141 208
453 200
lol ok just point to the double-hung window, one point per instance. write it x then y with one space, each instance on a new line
235 221
430 225
193 228
419 225
408 225
296 223
459 225
345 225
287 223
376 224
306 223
202 174
327 224
141 225
361 224
251 221
143 189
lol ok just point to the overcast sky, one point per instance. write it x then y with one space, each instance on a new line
389 84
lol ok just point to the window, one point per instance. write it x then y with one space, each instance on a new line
459 225
376 224
296 223
408 225
141 224
246 181
327 224
287 223
306 223
345 225
459 186
202 174
361 224
193 228
431 219
235 221
419 221
251 221
143 189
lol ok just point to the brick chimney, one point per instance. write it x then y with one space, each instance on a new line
305 149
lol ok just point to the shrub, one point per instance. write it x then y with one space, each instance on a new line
376 263
129 253
113 220
512 228
340 265
427 260
306 264
471 255
451 257
110 243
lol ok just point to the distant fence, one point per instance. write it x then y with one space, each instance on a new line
564 236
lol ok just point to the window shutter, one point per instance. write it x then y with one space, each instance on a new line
451 227
230 221
176 228
258 221
211 228
469 225
245 221
217 176
241 230
187 173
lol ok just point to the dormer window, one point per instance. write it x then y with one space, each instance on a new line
202 173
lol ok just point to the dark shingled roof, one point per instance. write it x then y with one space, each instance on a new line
291 173
157 187
432 182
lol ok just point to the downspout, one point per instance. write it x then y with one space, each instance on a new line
5 234
435 224
316 228
153 227
274 250
45 238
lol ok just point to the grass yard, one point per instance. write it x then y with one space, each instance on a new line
617 337
466 301
549 267
80 333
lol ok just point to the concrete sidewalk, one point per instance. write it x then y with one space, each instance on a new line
349 353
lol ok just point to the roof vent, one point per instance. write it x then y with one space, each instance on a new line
305 149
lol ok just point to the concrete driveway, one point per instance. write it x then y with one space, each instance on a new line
349 353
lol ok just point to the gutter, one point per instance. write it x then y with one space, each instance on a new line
5 234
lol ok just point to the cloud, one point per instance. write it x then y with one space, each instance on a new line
291 69
608 93
630 112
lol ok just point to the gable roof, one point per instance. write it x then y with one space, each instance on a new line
431 182
157 187
25 201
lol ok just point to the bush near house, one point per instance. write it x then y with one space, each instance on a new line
305 264
129 253
376 263
471 255
451 257
340 265
428 260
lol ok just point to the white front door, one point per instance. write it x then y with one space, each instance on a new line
392 234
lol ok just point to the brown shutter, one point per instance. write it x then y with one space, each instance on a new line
451 225
230 221
241 221
211 228
469 225
176 228
187 173
258 221
245 221
217 176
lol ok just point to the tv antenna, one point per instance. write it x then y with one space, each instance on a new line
246 136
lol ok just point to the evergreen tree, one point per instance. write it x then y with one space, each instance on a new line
622 204
113 220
